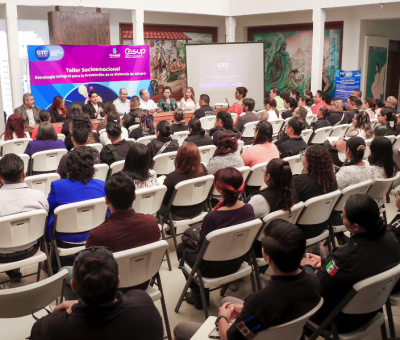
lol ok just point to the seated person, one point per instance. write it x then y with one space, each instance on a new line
28 111
14 129
322 120
237 107
289 104
44 116
197 135
94 107
79 186
296 143
224 122
385 118
291 293
118 149
113 116
337 116
101 312
166 103
205 108
371 250
229 212
16 197
178 122
108 107
299 113
58 110
134 112
247 116
146 125
73 109
79 119
271 113
163 143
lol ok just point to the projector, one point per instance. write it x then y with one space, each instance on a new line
221 105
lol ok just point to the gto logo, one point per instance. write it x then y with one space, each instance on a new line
42 53
223 66
135 51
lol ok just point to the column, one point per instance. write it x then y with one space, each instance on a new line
230 27
317 49
13 53
137 21
351 43
2 124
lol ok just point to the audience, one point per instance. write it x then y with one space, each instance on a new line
362 126
146 103
295 94
322 118
371 250
306 102
351 107
108 107
369 106
387 122
58 110
188 102
240 95
296 143
14 129
391 103
229 212
301 112
205 108
163 143
275 94
16 197
146 125
248 114
133 115
263 150
118 149
65 129
44 116
178 122
271 113
122 103
112 117
197 134
137 167
291 293
319 101
28 111
224 122
101 312
166 103
289 104
337 116
94 107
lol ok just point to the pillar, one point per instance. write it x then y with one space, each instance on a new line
230 26
137 21
351 44
319 15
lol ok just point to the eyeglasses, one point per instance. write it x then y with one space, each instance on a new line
264 169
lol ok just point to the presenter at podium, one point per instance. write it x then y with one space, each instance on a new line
93 108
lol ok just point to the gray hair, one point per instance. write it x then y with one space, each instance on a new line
141 92
26 96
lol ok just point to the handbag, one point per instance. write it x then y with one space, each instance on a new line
191 236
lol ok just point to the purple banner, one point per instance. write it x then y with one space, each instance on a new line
68 64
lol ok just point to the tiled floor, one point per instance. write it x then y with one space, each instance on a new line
173 282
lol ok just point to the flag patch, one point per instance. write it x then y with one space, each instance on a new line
331 268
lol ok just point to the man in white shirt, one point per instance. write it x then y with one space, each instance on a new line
146 103
16 197
28 111
122 103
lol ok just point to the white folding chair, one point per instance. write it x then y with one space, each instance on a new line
116 167
277 125
339 130
249 128
132 127
46 161
296 164
234 116
17 305
133 140
102 131
256 175
164 163
187 193
396 144
208 122
101 171
206 153
61 136
318 210
20 230
16 146
310 118
222 245
141 264
373 123
359 188
319 136
392 138
240 147
180 136
25 158
259 113
41 182
306 135
366 296
244 170
367 148
76 218
349 129
146 139
97 146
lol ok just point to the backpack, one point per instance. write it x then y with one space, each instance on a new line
113 150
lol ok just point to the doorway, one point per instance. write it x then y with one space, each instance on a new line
393 74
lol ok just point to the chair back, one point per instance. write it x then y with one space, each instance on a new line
359 188
396 144
21 301
244 170
146 139
290 330
208 122
256 176
97 146
381 186
373 292
321 134
206 153
80 217
140 264
234 116
61 136
240 147
231 242
249 128
259 204
101 171
339 130
16 146
149 200
180 136
41 182
164 163
392 138
373 123
367 148
20 229
193 191
259 113
296 164
102 131
310 118
349 129
306 135
47 160
133 127
277 125
318 209
291 217
117 166
26 160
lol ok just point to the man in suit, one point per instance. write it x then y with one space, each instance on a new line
28 111
93 108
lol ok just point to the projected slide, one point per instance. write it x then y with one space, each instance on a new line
218 69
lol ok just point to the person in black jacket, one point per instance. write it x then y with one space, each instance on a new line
224 122
385 118
93 108
197 135
337 116
58 110
289 104
322 120
163 140
296 143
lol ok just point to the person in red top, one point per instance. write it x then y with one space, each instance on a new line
44 116
319 101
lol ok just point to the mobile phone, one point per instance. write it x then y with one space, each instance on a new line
214 334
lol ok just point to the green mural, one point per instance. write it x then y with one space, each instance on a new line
376 72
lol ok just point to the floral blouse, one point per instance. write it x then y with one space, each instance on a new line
150 182
165 107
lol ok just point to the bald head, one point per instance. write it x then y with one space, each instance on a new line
337 104
123 94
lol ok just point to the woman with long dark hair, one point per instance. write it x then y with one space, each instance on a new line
108 107
387 122
110 117
58 110
178 122
166 103
14 129
306 102
224 122
229 212
369 106
290 105
271 113
197 135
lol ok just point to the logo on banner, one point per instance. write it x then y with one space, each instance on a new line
134 52
42 53
114 53
223 66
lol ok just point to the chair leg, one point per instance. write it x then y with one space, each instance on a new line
390 318
383 331
253 282
185 289
57 255
335 332
38 272
173 232
255 268
224 289
164 307
167 251
203 294
50 270
332 234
